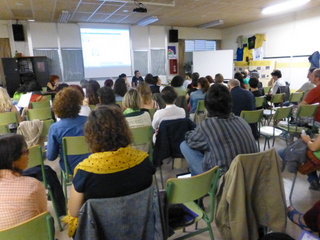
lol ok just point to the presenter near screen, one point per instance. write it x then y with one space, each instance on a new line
136 79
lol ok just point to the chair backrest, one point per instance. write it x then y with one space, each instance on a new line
48 97
260 101
92 107
4 129
285 90
152 112
39 113
141 135
284 112
46 127
253 116
266 90
296 97
277 98
8 117
41 104
37 228
307 110
200 107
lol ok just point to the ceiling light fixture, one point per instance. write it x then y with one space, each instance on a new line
285 6
212 24
64 17
148 20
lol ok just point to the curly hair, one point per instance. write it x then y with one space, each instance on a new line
107 129
67 103
78 88
145 92
131 100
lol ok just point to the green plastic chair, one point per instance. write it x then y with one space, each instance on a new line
272 132
186 190
71 146
44 89
92 107
39 113
37 228
266 90
8 117
253 116
296 97
36 159
260 101
4 129
303 111
41 104
199 114
275 99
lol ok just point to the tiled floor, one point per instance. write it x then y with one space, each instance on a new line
303 198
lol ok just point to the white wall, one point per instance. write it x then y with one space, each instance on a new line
4 29
287 35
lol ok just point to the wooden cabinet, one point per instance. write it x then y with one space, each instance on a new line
25 69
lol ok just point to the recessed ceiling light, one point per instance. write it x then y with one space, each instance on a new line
285 6
19 4
125 11
31 20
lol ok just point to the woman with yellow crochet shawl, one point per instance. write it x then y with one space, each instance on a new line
114 168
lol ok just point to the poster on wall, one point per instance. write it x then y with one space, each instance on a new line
172 53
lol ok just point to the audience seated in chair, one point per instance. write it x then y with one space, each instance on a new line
146 96
85 110
91 98
219 138
21 198
199 94
114 168
66 106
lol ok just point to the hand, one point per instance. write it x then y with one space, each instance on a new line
305 138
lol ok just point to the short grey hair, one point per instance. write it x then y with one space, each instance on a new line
255 75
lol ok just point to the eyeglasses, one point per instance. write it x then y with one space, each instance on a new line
25 151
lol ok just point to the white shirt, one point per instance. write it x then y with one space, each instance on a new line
277 84
171 112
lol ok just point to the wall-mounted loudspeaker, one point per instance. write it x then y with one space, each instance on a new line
173 35
18 34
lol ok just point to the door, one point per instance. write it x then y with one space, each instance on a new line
12 75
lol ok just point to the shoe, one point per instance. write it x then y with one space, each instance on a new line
314 185
291 215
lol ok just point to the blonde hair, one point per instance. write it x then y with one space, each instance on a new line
131 100
5 100
145 93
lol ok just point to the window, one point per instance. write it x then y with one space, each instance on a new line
199 45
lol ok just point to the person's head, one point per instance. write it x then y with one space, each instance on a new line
276 74
83 83
106 96
131 100
218 101
123 75
253 82
149 79
144 92
137 73
239 77
13 152
169 95
61 86
203 84
92 88
120 87
255 74
233 83
107 129
157 80
210 79
310 71
218 78
5 100
244 74
316 76
67 103
54 79
177 81
195 76
108 83
79 89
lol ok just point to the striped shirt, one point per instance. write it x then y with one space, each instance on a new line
21 198
221 140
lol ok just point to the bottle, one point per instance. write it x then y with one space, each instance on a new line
303 132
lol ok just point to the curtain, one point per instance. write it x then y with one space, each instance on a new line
4 53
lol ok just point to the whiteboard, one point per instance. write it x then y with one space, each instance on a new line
213 62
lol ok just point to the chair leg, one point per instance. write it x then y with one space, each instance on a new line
161 178
292 187
55 209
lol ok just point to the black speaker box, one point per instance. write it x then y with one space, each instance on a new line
18 34
173 35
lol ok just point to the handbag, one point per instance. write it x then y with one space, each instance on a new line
295 154
312 164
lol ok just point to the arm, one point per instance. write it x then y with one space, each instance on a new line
41 198
50 86
14 109
53 146
75 202
313 145
196 139
270 83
